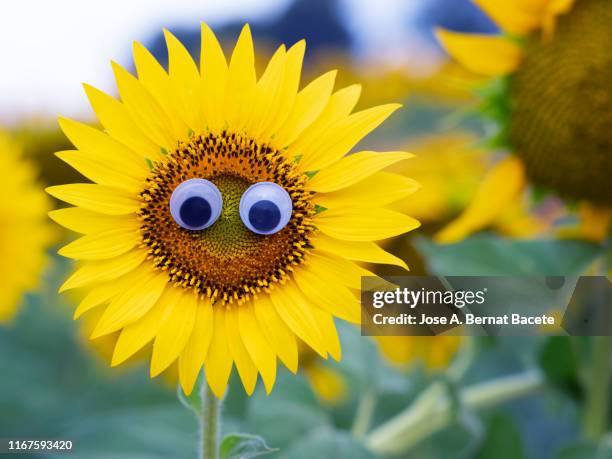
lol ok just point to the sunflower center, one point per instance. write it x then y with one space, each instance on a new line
561 123
226 261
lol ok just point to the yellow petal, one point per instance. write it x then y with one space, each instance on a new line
257 345
218 362
86 221
103 147
185 81
342 136
328 295
213 70
280 337
105 270
488 55
240 88
377 190
347 272
353 169
102 246
196 349
98 198
499 188
512 17
143 108
340 105
136 335
326 382
288 88
133 303
594 222
153 77
175 329
309 104
296 313
364 224
268 92
103 294
100 171
245 366
328 332
368 252
115 118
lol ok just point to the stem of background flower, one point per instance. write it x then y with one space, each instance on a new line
210 421
598 395
365 411
433 410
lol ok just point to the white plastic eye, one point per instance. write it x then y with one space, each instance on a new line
196 204
265 208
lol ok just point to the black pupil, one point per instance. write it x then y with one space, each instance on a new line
195 212
264 215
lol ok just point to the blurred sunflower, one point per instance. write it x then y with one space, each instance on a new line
551 98
24 231
327 383
434 352
205 229
449 169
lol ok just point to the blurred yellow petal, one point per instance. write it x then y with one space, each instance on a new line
98 198
326 382
354 168
280 337
488 55
368 252
498 189
594 222
356 224
175 329
196 349
512 16
257 345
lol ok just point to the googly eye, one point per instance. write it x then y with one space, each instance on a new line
265 208
196 204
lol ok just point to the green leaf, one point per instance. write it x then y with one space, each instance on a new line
559 362
489 255
585 450
326 443
503 440
244 446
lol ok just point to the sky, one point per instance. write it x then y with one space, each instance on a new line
49 48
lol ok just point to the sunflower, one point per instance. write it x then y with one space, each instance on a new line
225 221
24 232
550 96
449 169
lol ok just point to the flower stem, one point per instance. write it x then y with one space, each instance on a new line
210 420
365 411
598 398
433 410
